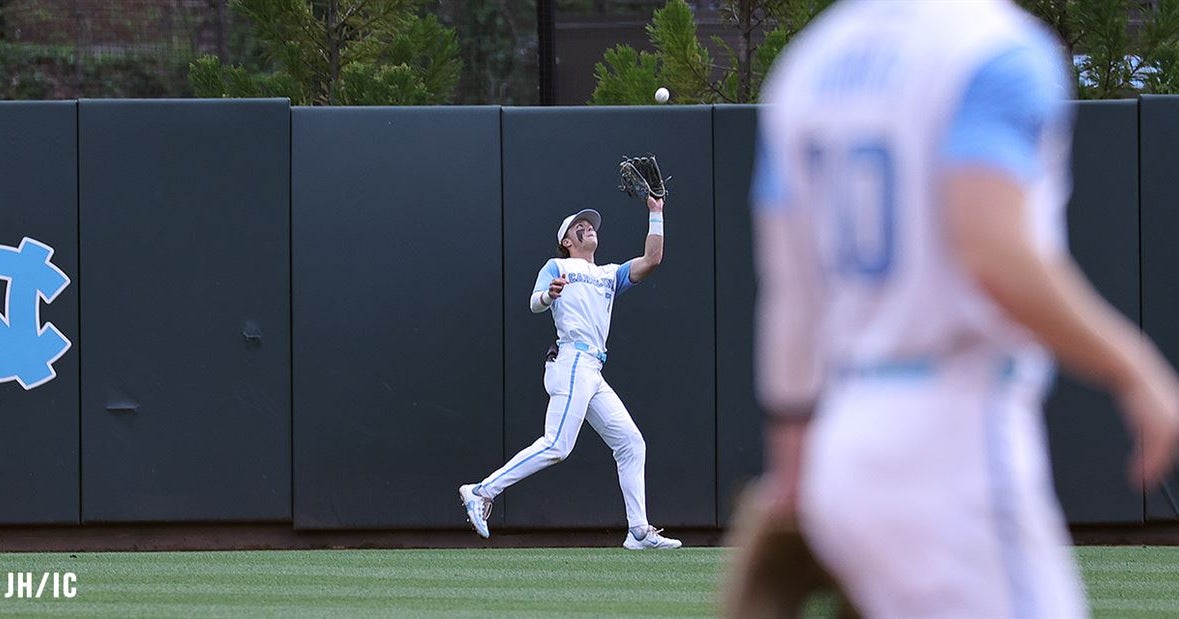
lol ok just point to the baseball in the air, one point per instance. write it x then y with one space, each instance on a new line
662 95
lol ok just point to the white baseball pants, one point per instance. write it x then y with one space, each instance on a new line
930 495
577 392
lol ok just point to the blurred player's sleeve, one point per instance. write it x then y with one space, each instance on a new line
1011 101
1013 122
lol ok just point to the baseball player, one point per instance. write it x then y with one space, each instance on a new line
580 295
914 281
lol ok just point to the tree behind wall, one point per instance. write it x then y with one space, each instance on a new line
1121 48
498 46
65 49
683 64
340 52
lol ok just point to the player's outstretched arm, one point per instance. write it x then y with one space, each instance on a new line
642 266
987 225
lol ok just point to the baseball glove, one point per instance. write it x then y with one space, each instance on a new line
640 177
772 573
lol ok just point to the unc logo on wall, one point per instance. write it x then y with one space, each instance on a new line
28 349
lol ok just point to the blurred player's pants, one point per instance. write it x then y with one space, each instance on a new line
577 392
928 494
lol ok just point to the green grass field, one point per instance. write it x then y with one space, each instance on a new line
1122 582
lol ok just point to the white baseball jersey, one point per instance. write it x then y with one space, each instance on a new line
582 313
870 105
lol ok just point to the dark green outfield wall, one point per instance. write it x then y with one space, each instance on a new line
319 315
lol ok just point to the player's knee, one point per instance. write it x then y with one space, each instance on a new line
634 447
636 437
558 454
640 449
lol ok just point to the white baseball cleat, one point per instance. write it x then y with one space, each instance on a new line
651 541
478 509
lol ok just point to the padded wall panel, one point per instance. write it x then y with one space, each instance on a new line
1159 147
398 358
185 241
738 416
39 196
1088 441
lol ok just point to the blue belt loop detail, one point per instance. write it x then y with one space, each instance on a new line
586 348
910 368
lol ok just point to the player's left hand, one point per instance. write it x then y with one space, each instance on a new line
557 286
655 205
1151 406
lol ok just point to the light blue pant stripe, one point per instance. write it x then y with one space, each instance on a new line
560 426
1005 503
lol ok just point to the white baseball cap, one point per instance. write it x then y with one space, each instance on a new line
594 217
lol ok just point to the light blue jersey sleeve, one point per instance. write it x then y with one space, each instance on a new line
1005 110
548 273
622 281
768 190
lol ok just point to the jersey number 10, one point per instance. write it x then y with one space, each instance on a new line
856 192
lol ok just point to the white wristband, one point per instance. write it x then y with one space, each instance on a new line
537 302
655 224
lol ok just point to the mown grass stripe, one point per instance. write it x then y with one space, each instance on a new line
576 582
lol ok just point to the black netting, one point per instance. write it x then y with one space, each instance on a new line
112 48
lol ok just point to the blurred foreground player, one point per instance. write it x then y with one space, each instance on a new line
914 282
